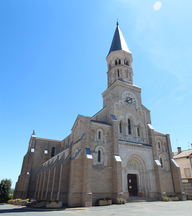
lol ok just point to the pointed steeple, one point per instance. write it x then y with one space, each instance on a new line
118 42
119 60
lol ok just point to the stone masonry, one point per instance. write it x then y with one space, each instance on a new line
115 153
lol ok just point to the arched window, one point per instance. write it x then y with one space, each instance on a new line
119 61
129 126
138 131
161 161
120 127
118 72
99 135
52 151
115 62
126 62
159 145
127 74
99 156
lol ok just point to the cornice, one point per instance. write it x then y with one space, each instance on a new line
122 84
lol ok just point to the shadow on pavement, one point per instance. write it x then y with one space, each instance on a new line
11 208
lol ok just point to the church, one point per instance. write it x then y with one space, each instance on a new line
116 153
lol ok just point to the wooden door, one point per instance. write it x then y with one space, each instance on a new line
132 184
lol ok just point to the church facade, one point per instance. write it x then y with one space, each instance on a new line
116 153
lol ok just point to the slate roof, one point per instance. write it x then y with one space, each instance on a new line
100 122
158 133
184 153
118 42
48 139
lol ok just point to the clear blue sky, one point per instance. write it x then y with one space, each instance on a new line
53 67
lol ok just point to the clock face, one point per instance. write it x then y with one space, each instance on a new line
129 100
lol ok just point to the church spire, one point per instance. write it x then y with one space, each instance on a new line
118 42
119 60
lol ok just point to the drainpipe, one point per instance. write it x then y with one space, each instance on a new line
170 165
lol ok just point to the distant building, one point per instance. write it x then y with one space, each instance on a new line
184 160
115 153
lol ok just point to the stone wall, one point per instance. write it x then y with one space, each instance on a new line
102 182
177 180
167 183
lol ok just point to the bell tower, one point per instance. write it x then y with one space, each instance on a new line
119 60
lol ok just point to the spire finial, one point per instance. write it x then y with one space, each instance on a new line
117 22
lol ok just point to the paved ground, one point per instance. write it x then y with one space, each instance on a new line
181 208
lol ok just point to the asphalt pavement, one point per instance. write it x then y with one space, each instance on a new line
157 208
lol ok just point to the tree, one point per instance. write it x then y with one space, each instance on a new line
5 189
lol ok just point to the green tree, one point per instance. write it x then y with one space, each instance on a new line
5 189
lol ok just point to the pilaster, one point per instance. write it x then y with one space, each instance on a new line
157 165
117 163
80 186
53 183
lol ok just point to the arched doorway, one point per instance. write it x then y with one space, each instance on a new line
132 184
136 176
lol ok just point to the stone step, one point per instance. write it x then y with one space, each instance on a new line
187 189
188 192
187 185
140 199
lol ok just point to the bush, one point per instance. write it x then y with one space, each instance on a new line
10 196
121 201
164 198
41 200
5 189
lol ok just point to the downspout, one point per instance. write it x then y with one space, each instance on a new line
170 165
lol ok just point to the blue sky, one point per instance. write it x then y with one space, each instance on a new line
53 67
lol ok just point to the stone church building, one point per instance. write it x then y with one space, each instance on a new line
115 153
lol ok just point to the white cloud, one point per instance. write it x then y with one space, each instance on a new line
157 6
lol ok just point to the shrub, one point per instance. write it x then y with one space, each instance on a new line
164 198
53 200
121 200
5 189
41 200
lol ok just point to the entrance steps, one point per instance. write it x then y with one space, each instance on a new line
140 199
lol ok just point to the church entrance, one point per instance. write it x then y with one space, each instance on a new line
132 184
